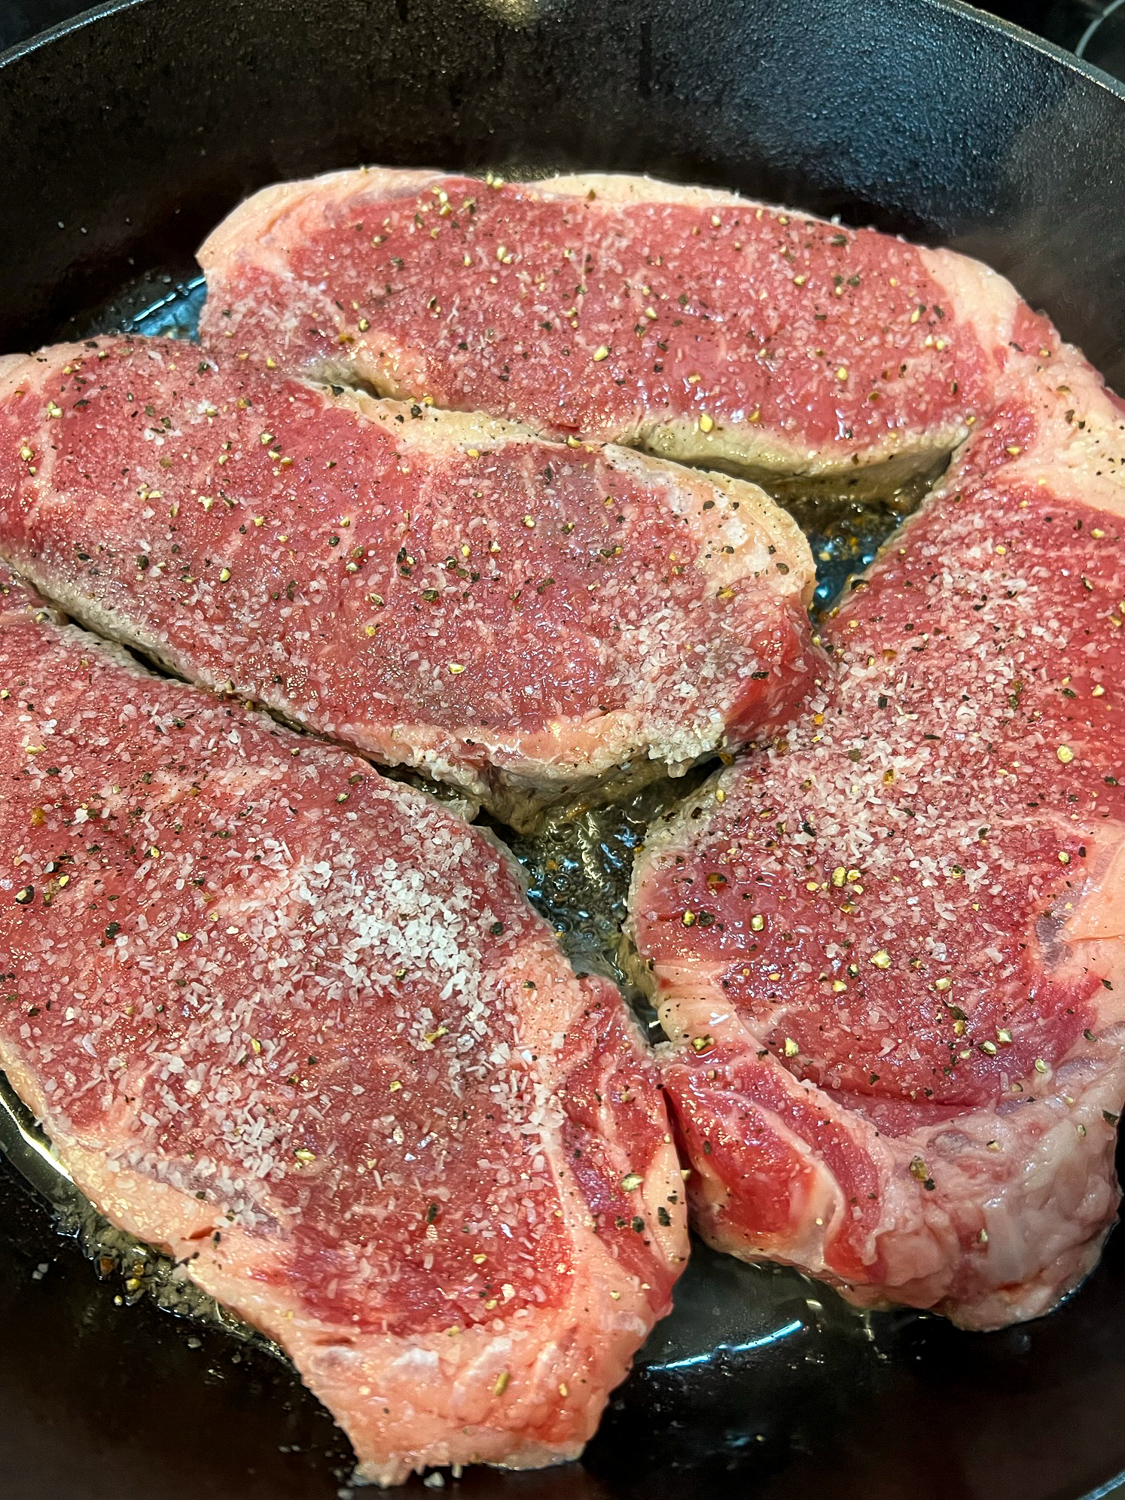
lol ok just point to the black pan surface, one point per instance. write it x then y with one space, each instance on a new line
124 137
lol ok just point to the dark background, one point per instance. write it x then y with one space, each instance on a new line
1064 22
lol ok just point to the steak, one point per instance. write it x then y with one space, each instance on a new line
694 323
297 1025
890 953
451 593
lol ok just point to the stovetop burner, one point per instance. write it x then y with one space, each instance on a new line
1094 29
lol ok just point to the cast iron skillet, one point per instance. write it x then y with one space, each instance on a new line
124 136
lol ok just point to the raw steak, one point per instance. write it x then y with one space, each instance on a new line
298 1025
890 954
694 323
441 591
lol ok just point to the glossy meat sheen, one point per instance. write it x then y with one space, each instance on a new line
298 1025
891 953
447 592
697 324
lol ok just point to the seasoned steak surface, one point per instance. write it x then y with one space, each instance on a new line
519 617
298 1025
697 324
890 953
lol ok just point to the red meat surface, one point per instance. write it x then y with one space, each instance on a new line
697 324
890 953
298 1025
517 616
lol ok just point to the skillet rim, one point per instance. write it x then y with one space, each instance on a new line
971 13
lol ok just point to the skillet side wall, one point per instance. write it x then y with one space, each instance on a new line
138 130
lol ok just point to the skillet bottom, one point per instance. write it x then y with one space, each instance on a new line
758 1384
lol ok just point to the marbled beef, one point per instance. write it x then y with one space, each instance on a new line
890 954
519 617
298 1025
694 323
